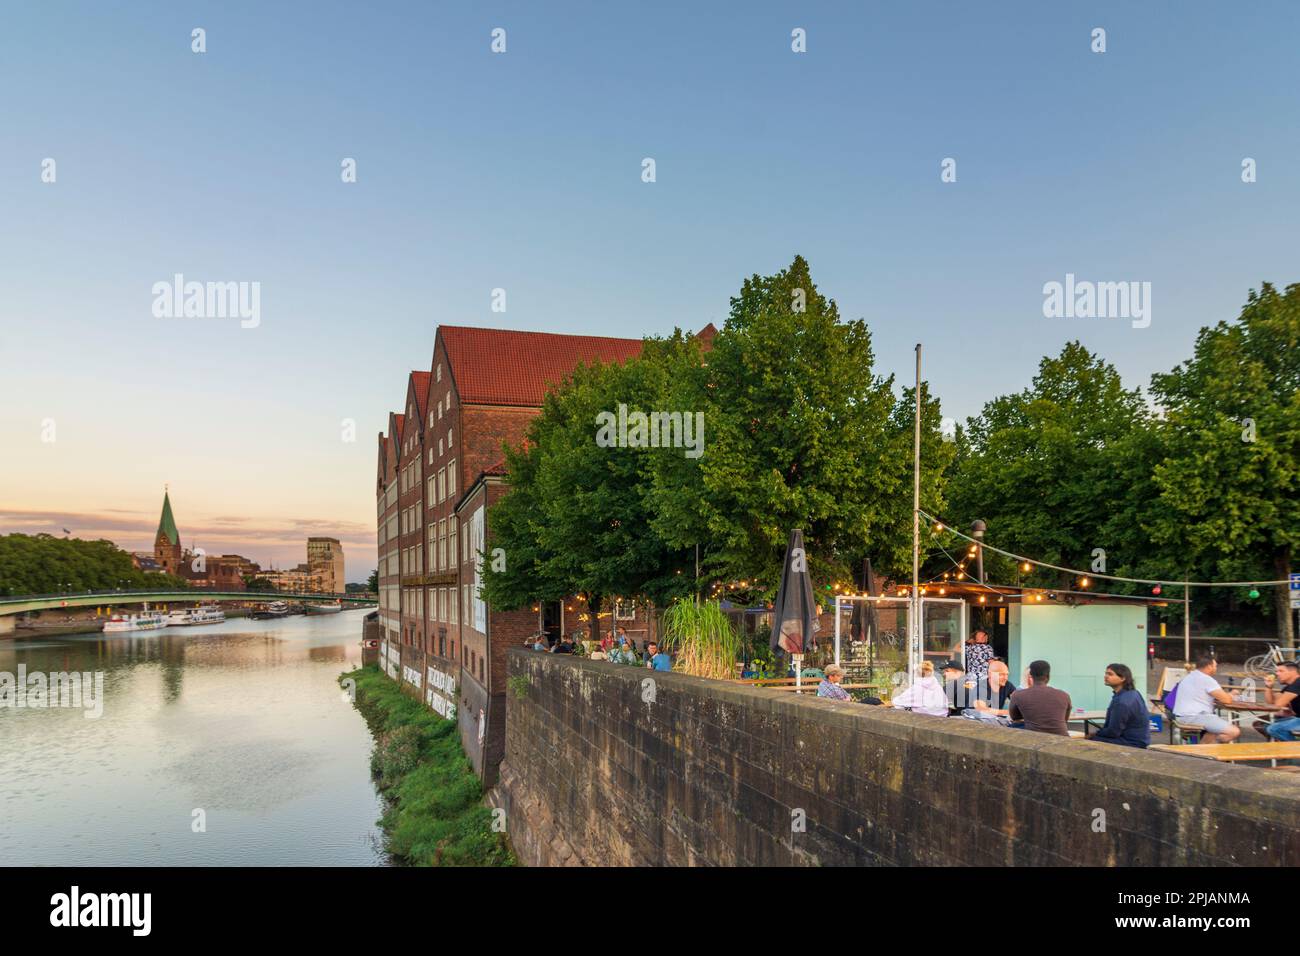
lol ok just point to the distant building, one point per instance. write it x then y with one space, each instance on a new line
167 551
145 561
325 556
300 580
225 572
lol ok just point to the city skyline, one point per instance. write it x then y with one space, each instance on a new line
523 171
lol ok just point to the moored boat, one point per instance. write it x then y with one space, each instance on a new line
146 620
273 610
322 608
203 614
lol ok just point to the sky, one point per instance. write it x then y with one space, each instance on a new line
522 170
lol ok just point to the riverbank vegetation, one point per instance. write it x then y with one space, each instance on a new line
434 815
44 564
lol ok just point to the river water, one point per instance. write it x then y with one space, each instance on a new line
242 720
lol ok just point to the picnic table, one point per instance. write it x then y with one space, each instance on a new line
1236 753
1095 719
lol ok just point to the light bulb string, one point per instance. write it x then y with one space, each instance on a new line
944 526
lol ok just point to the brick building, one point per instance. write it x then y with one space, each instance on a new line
444 455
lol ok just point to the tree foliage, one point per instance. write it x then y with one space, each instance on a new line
44 564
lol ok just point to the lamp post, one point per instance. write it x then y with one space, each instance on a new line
977 530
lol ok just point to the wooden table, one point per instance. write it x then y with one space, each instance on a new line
1236 753
812 682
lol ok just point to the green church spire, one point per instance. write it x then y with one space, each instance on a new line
167 524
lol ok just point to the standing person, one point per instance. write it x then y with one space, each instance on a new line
1043 709
1194 701
1288 672
830 685
1128 720
655 659
978 654
925 696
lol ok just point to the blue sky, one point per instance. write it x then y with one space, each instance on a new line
522 171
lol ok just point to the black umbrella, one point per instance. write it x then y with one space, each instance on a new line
794 615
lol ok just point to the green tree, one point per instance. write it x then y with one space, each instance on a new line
800 433
576 520
44 564
1231 429
1061 469
372 582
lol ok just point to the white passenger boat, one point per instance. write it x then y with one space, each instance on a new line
146 620
204 614
323 608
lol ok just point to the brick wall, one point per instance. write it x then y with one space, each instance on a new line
711 772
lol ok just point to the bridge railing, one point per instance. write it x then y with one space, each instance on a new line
196 594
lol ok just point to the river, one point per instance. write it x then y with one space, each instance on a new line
224 744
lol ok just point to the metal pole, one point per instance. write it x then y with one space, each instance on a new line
914 653
1187 623
837 630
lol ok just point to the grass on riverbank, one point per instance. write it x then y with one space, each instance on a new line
434 815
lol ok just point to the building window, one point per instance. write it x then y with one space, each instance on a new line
451 544
451 475
480 668
442 484
437 372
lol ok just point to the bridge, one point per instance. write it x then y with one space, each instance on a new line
12 606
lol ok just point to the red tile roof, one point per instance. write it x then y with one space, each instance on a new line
421 381
502 367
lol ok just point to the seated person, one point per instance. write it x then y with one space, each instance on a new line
925 696
656 659
1128 719
959 690
994 691
1042 708
830 684
1287 700
1194 701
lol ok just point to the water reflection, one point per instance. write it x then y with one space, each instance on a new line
241 720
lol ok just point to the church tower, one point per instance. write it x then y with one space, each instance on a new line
167 542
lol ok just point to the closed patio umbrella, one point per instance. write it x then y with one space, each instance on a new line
794 613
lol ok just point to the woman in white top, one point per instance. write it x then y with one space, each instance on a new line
926 696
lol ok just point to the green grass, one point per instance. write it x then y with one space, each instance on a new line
435 815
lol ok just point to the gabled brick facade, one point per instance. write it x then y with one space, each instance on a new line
483 388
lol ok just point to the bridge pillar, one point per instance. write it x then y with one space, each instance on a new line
8 624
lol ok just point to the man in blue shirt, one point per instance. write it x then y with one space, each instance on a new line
1128 719
655 659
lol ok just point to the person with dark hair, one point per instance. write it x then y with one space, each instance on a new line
1287 724
1194 702
1042 708
978 654
1128 721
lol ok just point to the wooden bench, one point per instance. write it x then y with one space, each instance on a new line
1236 753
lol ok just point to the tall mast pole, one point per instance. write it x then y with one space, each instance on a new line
914 654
